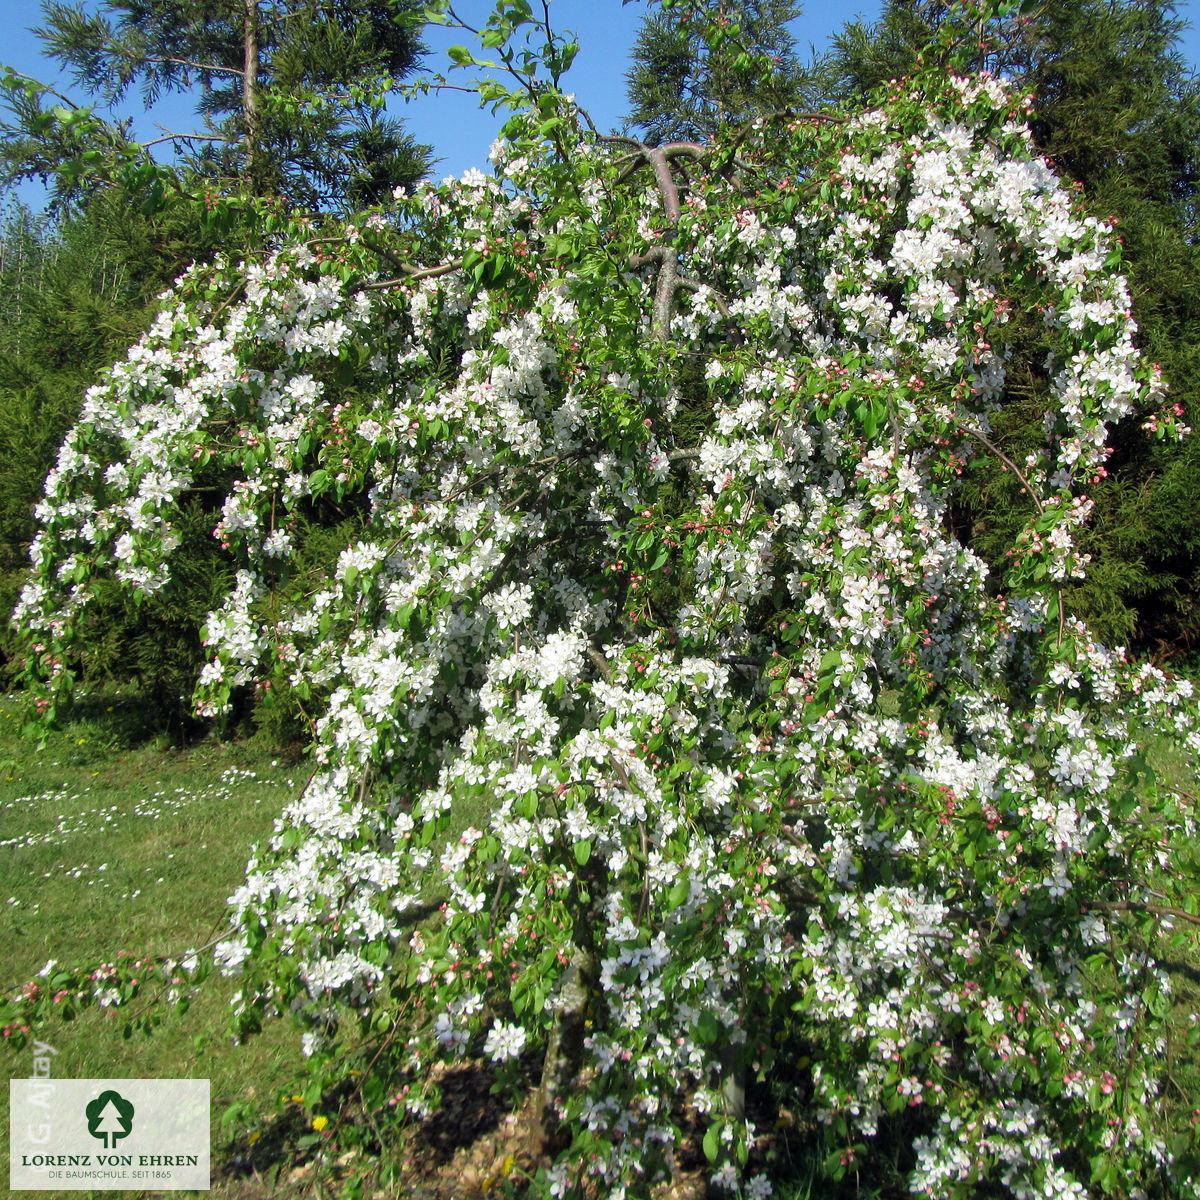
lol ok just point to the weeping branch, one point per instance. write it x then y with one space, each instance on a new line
408 273
787 114
414 273
979 436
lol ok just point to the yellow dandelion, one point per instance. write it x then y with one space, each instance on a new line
319 1123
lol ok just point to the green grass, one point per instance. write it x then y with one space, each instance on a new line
110 841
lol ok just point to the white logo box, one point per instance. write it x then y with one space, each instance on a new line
108 1134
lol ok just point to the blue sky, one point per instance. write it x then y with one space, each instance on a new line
452 122
606 31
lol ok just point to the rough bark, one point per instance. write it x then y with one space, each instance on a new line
250 99
564 1053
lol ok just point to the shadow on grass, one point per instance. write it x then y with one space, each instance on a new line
123 718
1177 966
118 718
260 1162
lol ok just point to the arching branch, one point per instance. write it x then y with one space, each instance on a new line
786 114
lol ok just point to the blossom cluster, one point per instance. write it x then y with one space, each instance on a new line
767 764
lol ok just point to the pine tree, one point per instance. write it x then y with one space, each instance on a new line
686 82
1120 112
289 93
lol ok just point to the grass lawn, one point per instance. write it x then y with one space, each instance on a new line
110 843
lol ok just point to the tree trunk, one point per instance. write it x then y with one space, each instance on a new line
250 106
564 1053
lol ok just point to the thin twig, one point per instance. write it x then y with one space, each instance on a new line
186 137
971 431
1156 910
619 139
412 274
213 68
979 436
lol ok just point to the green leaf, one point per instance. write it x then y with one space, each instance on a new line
583 852
831 659
708 1029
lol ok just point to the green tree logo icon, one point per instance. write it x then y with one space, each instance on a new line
109 1117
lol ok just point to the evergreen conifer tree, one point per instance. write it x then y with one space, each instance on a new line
687 81
290 93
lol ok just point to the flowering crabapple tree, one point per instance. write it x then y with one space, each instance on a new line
654 660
